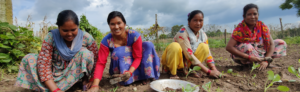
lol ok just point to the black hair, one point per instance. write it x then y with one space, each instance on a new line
249 6
114 14
193 13
66 15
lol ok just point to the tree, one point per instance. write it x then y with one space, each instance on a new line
288 4
175 29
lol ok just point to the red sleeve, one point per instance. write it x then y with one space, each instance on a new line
100 64
137 52
44 63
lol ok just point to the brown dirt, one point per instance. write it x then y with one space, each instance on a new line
240 82
167 89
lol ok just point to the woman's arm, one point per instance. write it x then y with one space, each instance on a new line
44 63
100 64
272 47
231 49
136 54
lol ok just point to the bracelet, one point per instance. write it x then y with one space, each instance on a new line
208 72
95 86
249 57
56 90
129 72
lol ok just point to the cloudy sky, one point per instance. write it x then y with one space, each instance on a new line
141 13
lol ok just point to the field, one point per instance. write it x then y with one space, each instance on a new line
239 81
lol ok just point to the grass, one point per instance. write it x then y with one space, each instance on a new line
292 40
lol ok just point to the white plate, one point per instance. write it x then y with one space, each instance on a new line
160 85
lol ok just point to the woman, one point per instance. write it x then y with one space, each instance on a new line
67 55
129 55
251 40
192 41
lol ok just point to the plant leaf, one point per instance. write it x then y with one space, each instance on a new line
229 71
4 46
5 61
299 70
271 75
283 88
276 78
21 45
292 70
196 68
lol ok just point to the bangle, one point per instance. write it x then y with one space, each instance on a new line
56 90
208 72
129 72
249 57
94 86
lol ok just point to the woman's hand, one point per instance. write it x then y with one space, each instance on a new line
255 59
214 73
94 89
263 65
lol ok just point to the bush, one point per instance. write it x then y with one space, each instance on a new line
84 25
162 36
15 42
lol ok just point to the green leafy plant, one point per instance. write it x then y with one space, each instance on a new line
254 67
196 68
274 78
84 25
207 86
229 71
114 89
221 74
253 76
219 90
189 88
15 42
293 71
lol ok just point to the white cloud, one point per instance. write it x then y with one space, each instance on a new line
141 13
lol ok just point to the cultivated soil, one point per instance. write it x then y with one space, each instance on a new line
240 82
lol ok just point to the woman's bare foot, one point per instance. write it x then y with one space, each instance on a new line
173 76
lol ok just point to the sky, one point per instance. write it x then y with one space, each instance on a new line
141 13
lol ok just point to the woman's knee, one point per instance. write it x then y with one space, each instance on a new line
174 46
147 44
204 47
84 52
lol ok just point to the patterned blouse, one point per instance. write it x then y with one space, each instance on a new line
49 55
182 37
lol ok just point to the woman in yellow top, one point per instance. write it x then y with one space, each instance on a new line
192 41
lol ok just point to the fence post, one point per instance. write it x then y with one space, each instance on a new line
225 35
281 28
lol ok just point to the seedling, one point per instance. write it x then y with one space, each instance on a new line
229 71
196 68
254 76
115 89
299 61
219 90
293 71
207 86
254 67
221 74
189 88
274 79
